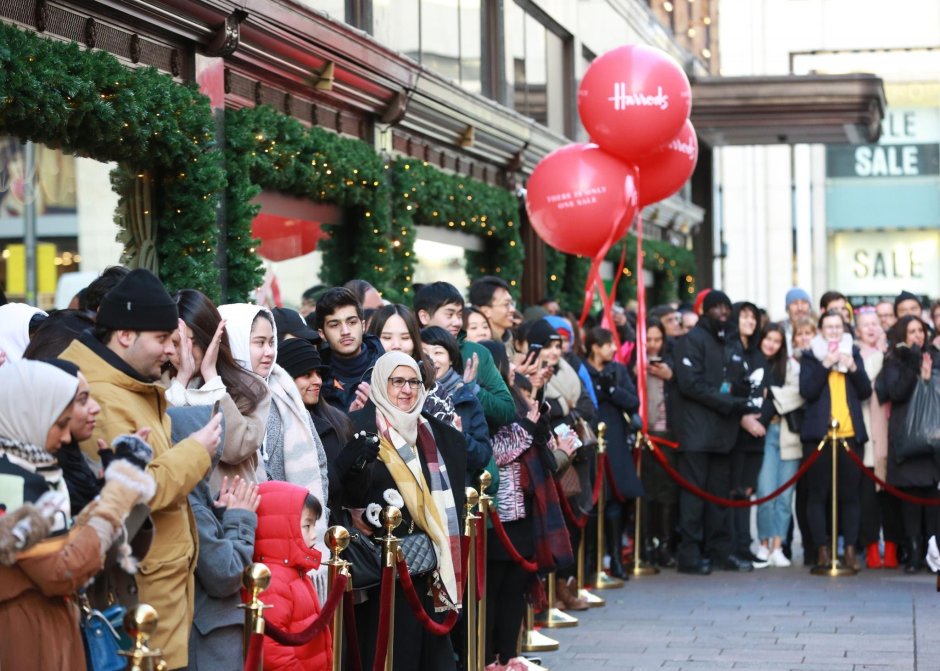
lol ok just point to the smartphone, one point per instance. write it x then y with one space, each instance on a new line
833 345
215 409
654 359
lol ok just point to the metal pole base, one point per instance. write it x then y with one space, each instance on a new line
553 618
604 581
836 570
536 641
594 601
644 569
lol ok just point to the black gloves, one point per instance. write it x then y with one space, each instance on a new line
130 447
361 450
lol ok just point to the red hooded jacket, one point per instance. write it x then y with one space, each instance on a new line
279 544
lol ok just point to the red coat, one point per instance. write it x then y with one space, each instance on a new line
279 545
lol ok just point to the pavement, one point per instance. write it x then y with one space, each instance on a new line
773 619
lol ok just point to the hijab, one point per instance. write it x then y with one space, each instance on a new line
32 396
14 332
404 422
239 318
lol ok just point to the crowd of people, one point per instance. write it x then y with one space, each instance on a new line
153 446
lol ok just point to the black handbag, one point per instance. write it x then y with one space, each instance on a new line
365 556
794 420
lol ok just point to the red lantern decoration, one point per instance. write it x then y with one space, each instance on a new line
634 99
581 199
663 172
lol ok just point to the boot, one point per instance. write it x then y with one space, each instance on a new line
823 557
613 542
891 554
851 558
566 591
915 561
872 557
667 522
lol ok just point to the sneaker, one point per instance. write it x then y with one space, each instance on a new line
762 553
778 559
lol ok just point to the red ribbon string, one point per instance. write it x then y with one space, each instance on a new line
323 620
529 566
436 628
641 326
733 503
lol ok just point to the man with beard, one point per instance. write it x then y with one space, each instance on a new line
710 378
122 358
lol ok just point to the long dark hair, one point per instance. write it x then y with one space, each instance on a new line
383 314
778 362
897 334
202 316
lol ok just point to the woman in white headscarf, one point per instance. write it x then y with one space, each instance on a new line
36 584
420 469
292 451
14 329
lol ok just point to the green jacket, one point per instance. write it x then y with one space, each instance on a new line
494 395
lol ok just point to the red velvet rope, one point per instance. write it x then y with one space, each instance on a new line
604 461
481 558
894 491
732 503
511 550
385 614
323 620
436 628
663 441
253 655
579 522
353 660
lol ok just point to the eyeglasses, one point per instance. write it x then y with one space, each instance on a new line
399 382
509 305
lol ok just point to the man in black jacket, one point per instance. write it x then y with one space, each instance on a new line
710 377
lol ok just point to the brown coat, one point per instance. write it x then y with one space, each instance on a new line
37 609
165 576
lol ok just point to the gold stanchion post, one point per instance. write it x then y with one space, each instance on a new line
532 640
337 540
485 480
592 599
552 617
470 595
835 569
640 567
140 622
390 517
255 579
601 579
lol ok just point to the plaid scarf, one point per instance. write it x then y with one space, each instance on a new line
552 540
430 503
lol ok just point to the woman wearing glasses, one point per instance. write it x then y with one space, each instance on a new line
420 469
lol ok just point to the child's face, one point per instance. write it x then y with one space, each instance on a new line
307 523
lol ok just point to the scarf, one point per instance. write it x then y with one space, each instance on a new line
439 402
14 332
820 348
552 540
564 386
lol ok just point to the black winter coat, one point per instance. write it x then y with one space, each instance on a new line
814 387
706 418
616 397
896 384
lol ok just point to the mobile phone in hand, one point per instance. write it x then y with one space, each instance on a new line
215 408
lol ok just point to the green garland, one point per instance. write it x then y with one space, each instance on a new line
426 196
88 104
269 150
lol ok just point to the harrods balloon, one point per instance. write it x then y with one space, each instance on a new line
634 99
663 172
581 199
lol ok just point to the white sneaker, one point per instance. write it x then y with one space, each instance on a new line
778 559
762 553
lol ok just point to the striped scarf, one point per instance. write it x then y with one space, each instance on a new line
552 540
430 503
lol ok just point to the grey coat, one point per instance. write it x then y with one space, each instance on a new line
226 545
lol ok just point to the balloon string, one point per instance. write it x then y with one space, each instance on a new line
641 324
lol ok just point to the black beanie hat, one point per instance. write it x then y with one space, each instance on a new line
904 296
541 332
139 302
714 298
298 357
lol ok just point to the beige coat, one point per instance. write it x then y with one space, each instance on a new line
165 577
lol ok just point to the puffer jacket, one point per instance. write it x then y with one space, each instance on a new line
292 596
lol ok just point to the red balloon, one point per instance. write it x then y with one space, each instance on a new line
663 172
581 199
633 99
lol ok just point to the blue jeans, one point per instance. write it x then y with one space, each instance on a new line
773 517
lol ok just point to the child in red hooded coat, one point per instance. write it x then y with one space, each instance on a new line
284 542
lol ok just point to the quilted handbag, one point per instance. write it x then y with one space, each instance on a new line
419 553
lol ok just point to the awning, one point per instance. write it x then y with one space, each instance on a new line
789 109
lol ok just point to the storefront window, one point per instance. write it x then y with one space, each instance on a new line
74 222
439 256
